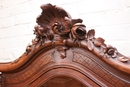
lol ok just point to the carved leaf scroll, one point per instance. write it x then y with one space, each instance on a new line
56 25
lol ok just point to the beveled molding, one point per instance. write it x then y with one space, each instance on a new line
56 28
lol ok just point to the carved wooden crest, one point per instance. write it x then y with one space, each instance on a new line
55 27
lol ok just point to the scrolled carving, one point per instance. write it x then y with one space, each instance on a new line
56 25
63 27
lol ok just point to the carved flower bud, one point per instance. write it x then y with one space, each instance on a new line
28 49
99 41
78 31
40 30
111 51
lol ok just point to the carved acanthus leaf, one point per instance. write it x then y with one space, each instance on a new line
90 37
123 59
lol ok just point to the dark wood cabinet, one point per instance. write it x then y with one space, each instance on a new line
64 54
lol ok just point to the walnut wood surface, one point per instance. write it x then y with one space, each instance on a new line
63 49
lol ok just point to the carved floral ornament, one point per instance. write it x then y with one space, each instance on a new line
56 25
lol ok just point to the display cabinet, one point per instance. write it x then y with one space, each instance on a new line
65 54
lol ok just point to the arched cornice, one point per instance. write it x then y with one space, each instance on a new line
55 27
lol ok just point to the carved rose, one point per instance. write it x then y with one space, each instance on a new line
78 31
111 51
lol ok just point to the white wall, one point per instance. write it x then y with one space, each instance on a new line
109 18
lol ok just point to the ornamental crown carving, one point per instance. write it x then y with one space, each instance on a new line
56 25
